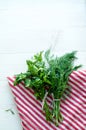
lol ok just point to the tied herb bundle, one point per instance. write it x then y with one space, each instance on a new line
48 75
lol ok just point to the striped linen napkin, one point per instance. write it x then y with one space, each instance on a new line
73 108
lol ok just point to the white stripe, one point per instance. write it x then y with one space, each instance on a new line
28 121
30 128
67 124
26 95
32 108
69 120
80 75
81 86
79 97
72 118
45 124
63 125
24 128
70 109
76 88
82 72
74 102
80 80
31 101
31 117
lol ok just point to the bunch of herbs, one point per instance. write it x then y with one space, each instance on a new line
48 75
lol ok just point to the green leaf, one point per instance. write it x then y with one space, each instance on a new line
27 82
10 110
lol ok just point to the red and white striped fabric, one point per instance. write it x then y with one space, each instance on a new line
73 108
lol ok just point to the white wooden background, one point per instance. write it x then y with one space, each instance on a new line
28 26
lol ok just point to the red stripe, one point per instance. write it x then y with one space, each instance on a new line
82 73
26 108
68 106
73 97
28 118
25 126
76 96
27 114
24 112
76 80
77 89
67 119
22 88
27 122
70 121
74 104
27 99
32 114
29 106
35 112
72 108
64 125
64 103
26 92
76 85
79 76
